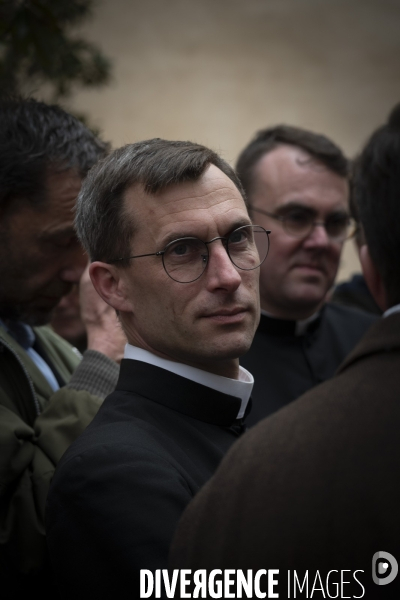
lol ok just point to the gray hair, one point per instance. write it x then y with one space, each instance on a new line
35 139
101 223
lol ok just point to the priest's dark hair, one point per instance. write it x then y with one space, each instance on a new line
317 145
102 223
376 189
38 138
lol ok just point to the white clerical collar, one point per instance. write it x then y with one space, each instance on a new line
391 310
301 324
240 388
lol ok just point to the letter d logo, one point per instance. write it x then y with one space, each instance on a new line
384 568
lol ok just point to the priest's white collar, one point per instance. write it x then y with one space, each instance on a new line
391 310
240 388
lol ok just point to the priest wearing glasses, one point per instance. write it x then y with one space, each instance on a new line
174 251
297 185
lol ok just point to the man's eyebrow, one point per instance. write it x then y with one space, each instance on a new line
59 232
240 223
295 205
177 235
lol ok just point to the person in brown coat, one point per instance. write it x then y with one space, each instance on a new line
314 490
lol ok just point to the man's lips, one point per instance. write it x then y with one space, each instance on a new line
225 315
309 267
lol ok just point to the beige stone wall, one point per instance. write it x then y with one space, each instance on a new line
215 71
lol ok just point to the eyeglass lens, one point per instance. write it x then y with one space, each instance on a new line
185 259
300 222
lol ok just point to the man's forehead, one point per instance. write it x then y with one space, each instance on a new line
52 215
287 160
61 189
212 189
289 172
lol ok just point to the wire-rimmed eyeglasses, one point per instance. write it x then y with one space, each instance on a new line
300 221
186 259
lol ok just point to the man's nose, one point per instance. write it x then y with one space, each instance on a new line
318 236
221 273
75 263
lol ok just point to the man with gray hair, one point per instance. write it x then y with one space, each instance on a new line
174 251
48 393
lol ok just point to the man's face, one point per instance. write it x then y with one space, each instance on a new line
207 323
299 271
40 256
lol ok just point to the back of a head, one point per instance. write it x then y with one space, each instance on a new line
36 138
317 145
376 190
101 222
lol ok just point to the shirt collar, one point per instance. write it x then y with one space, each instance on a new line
297 328
22 333
240 388
391 310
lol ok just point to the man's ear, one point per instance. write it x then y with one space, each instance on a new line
373 278
110 286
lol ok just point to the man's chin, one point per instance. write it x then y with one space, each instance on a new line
234 348
308 303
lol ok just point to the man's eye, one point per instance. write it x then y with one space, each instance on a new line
188 250
180 249
237 237
60 241
336 224
65 243
337 220
298 217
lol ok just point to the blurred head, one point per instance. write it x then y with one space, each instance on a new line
135 203
296 183
376 192
44 155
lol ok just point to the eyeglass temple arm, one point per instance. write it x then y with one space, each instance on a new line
137 256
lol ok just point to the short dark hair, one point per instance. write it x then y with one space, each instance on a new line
376 190
156 164
317 145
36 138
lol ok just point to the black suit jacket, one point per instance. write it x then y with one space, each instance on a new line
315 486
120 489
285 365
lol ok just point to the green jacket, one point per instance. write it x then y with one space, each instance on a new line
36 427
